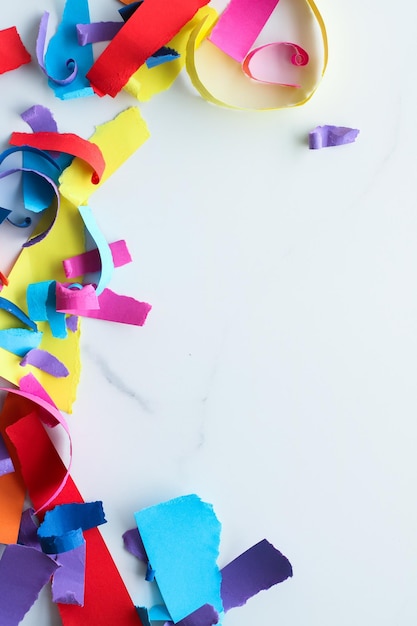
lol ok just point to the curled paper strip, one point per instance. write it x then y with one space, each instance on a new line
223 68
64 45
50 415
65 142
76 300
106 258
71 64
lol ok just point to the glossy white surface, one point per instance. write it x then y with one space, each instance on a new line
275 376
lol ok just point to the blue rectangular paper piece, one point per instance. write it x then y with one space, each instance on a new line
181 538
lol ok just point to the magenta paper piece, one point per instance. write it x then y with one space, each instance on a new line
259 568
329 136
76 300
69 580
89 262
133 543
23 573
45 361
239 26
97 31
6 463
111 306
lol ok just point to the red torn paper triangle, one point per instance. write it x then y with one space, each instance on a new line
152 26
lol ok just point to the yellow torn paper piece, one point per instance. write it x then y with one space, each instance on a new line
118 140
147 82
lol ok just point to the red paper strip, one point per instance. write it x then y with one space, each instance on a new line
13 52
152 26
107 601
64 142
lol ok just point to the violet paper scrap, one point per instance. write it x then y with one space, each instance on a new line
329 136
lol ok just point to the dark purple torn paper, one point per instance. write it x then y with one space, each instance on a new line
206 615
28 531
257 569
328 136
133 543
23 573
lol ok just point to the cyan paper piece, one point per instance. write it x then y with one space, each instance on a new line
23 573
41 302
106 257
19 340
68 582
257 569
159 613
181 538
63 46
6 463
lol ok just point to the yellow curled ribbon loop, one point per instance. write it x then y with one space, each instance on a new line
227 70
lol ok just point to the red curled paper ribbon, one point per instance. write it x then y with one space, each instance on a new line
65 142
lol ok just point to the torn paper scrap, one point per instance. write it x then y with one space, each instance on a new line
206 615
257 569
45 361
65 519
28 531
24 571
107 600
13 52
63 46
6 463
152 26
71 64
68 582
89 262
328 136
181 538
133 543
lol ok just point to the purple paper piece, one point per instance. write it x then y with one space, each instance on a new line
133 543
72 323
206 615
45 361
257 569
28 531
6 463
23 573
69 580
40 119
97 31
328 136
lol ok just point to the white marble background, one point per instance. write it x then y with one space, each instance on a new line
275 376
